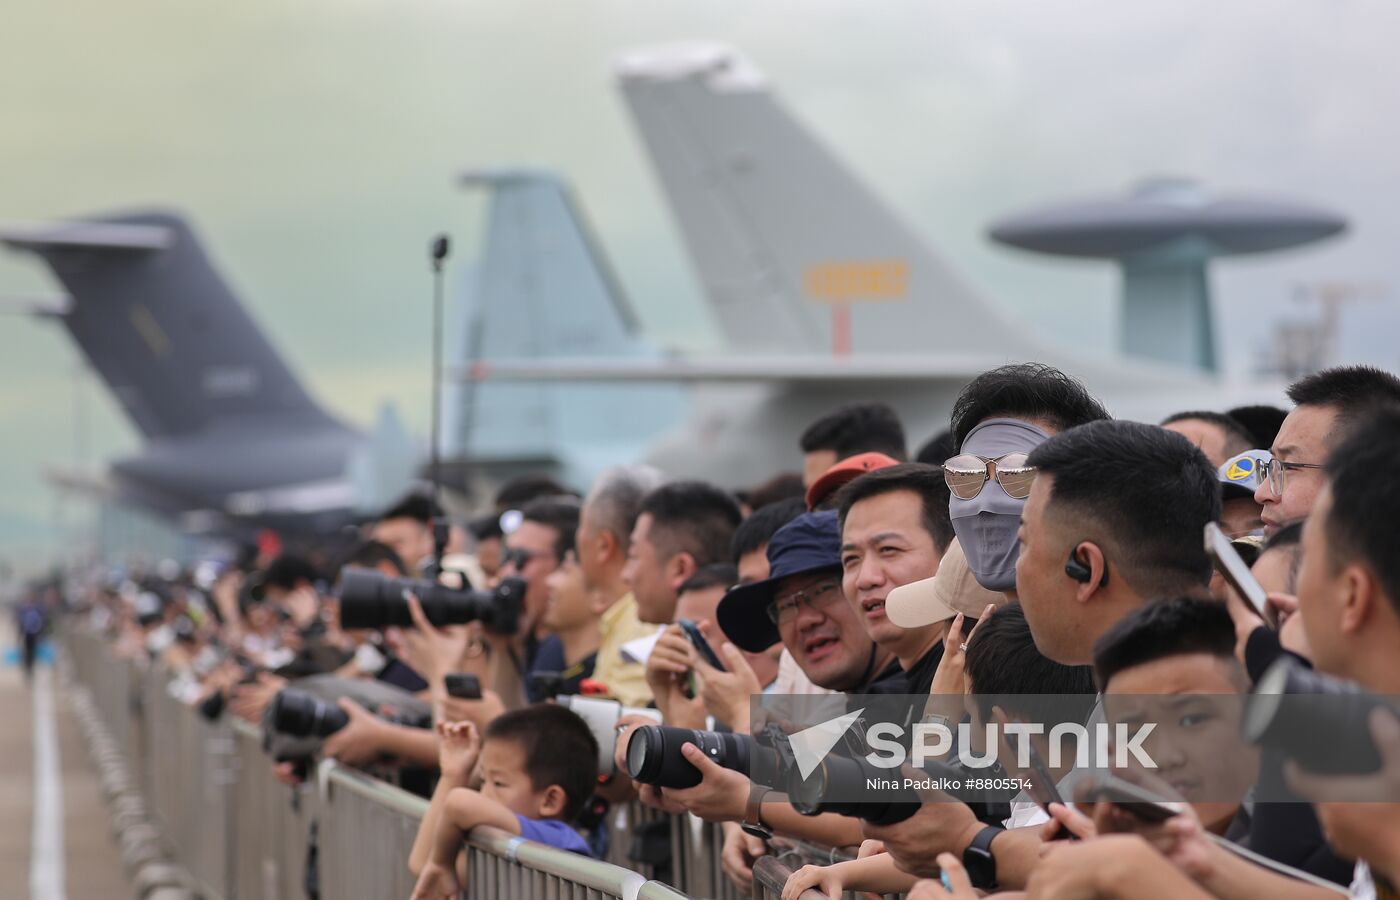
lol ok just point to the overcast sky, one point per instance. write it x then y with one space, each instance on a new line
312 143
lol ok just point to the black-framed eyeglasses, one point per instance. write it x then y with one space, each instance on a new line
1275 468
819 596
966 474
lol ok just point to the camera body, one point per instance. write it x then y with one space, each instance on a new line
371 599
1319 721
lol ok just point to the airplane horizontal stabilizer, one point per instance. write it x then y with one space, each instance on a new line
732 369
90 235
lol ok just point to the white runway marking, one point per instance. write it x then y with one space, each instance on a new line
46 856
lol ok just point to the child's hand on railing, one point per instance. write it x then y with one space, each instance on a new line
459 745
820 878
437 882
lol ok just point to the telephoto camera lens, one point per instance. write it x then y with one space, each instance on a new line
299 714
654 754
840 776
370 599
1320 722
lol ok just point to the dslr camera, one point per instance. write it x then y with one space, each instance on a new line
296 713
1318 721
371 599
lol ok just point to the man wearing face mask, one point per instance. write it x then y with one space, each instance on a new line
998 419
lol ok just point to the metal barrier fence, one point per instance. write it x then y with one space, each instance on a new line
769 876
188 776
110 682
272 823
242 834
361 814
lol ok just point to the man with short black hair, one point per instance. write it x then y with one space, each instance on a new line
749 549
844 432
519 491
488 542
1114 519
1330 404
1349 599
534 550
894 530
1349 583
682 527
407 527
1219 436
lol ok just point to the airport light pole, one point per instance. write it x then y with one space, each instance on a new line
437 255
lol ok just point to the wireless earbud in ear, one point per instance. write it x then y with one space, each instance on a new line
1079 570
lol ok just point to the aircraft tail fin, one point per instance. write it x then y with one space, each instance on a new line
796 254
161 327
541 289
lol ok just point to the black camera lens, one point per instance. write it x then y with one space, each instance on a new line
299 714
654 754
840 784
1321 722
370 599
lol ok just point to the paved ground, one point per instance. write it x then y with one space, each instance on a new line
92 862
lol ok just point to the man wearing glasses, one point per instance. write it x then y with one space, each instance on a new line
1329 405
802 604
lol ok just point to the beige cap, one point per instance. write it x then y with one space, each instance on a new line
953 590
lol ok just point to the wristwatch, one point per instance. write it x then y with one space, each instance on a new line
981 865
753 814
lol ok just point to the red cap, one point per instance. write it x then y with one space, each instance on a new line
848 469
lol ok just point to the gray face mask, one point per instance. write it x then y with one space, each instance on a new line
986 525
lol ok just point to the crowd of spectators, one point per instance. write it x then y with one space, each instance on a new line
1039 547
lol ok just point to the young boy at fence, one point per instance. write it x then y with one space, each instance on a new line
537 768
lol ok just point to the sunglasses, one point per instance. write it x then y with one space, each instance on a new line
517 557
967 474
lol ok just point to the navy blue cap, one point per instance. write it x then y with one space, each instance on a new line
809 543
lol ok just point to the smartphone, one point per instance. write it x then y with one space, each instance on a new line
462 685
702 646
1135 801
1233 569
1041 787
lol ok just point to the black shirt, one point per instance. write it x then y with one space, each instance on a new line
549 660
916 680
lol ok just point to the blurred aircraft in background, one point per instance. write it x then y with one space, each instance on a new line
823 294
230 435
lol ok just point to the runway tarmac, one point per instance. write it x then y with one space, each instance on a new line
55 840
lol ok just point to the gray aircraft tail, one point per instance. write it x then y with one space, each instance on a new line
543 290
796 254
161 328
